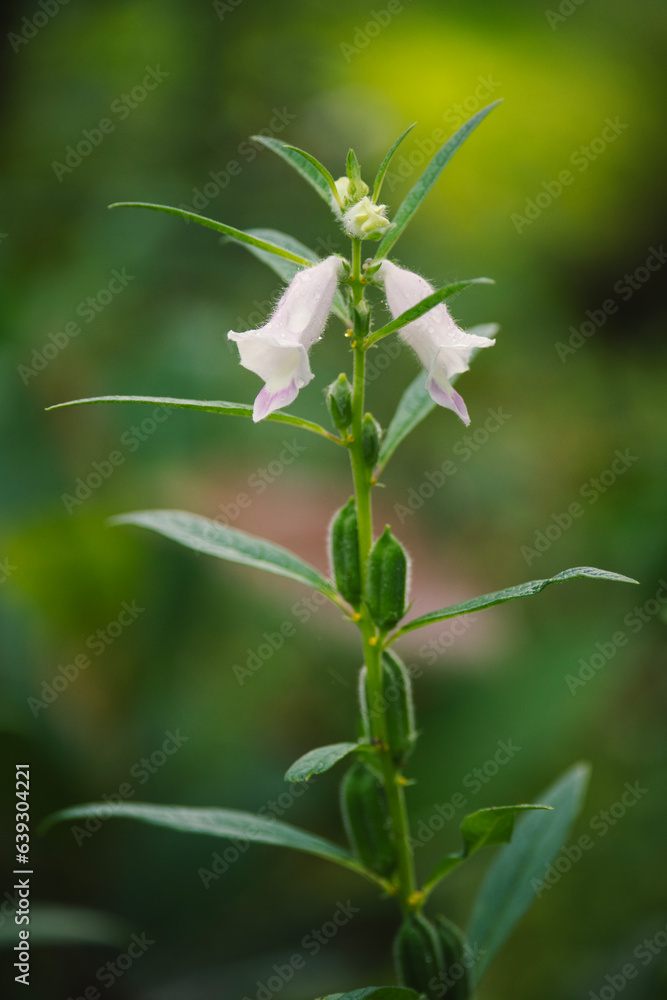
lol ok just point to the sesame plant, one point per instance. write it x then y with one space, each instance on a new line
369 570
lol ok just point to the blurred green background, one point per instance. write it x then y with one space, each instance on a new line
326 77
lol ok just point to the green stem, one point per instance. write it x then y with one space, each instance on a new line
372 640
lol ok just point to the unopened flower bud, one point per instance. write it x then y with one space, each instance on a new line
365 220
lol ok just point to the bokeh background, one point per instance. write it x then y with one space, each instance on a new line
326 77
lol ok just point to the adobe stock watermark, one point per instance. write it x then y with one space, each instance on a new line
7 569
591 491
565 10
404 165
600 824
44 12
440 985
473 782
312 943
221 861
581 159
101 471
464 449
97 642
246 152
302 611
624 288
88 310
259 481
115 969
604 652
121 108
223 7
645 952
141 771
365 33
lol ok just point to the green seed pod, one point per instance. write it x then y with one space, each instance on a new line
395 702
387 574
418 956
366 721
371 432
339 401
367 819
399 708
456 975
345 553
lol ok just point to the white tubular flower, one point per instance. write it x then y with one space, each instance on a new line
366 220
278 351
441 346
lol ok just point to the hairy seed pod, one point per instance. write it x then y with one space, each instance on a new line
456 975
398 707
387 574
367 819
394 701
345 553
366 720
371 432
339 401
418 955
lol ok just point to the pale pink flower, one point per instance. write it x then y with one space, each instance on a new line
278 351
441 346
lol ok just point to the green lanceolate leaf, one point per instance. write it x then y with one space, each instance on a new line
423 307
220 227
286 269
228 823
204 535
306 165
416 404
204 405
509 887
510 594
480 829
319 760
382 170
375 993
416 195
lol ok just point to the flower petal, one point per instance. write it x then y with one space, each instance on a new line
278 351
443 348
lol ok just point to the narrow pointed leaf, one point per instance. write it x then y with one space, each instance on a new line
376 993
227 823
382 169
322 170
220 227
286 269
480 829
510 594
215 539
319 760
303 163
203 405
424 306
510 884
416 404
416 195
